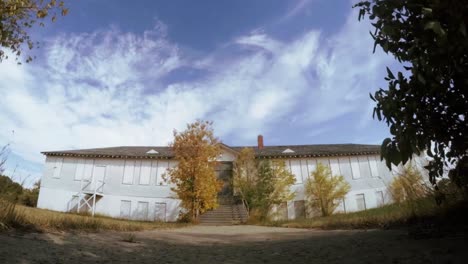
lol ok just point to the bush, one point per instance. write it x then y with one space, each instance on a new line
408 186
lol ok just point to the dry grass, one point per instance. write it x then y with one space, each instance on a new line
383 217
21 217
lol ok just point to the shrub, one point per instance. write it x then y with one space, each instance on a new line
408 186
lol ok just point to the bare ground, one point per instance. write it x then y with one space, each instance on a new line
233 244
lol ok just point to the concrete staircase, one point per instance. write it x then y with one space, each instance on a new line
227 213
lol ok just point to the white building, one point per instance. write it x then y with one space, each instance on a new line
128 182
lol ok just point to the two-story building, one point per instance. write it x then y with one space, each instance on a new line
128 182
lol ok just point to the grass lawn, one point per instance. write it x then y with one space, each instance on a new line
382 217
22 217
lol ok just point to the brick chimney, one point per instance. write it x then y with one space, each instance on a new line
260 141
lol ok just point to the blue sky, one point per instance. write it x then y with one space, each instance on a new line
130 72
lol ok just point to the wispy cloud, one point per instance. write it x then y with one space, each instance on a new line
106 88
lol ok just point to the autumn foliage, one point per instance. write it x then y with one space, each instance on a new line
261 184
324 190
196 184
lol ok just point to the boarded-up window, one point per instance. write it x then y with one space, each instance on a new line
364 167
88 169
145 173
125 209
373 167
304 172
129 169
160 212
299 209
379 198
162 169
335 167
80 166
57 167
142 211
355 168
360 202
345 168
296 170
311 165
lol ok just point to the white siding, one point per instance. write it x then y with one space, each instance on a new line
311 166
129 171
142 211
125 209
364 167
162 169
379 197
355 168
296 170
360 202
335 167
88 169
373 167
160 212
304 171
57 167
80 167
145 173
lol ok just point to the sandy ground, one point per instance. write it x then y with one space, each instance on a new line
233 244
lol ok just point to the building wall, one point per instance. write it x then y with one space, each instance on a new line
367 175
136 188
125 180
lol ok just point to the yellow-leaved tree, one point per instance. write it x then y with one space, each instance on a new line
196 185
261 183
325 191
409 185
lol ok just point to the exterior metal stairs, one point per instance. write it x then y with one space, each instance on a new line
90 192
228 212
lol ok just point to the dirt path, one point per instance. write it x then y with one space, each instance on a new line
233 244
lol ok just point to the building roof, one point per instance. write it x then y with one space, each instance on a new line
287 151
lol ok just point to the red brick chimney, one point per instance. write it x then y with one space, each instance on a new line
260 141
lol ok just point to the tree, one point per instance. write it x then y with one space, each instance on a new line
425 106
17 16
196 185
245 176
325 191
261 183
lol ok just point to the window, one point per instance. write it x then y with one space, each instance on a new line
162 169
299 209
125 208
335 167
80 166
296 170
88 169
311 165
360 202
57 167
142 211
355 168
129 170
160 212
145 173
379 198
373 167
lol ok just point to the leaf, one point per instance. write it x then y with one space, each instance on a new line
435 26
390 74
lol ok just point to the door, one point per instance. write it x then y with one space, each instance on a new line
224 174
160 212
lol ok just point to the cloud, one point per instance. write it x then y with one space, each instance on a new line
108 87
